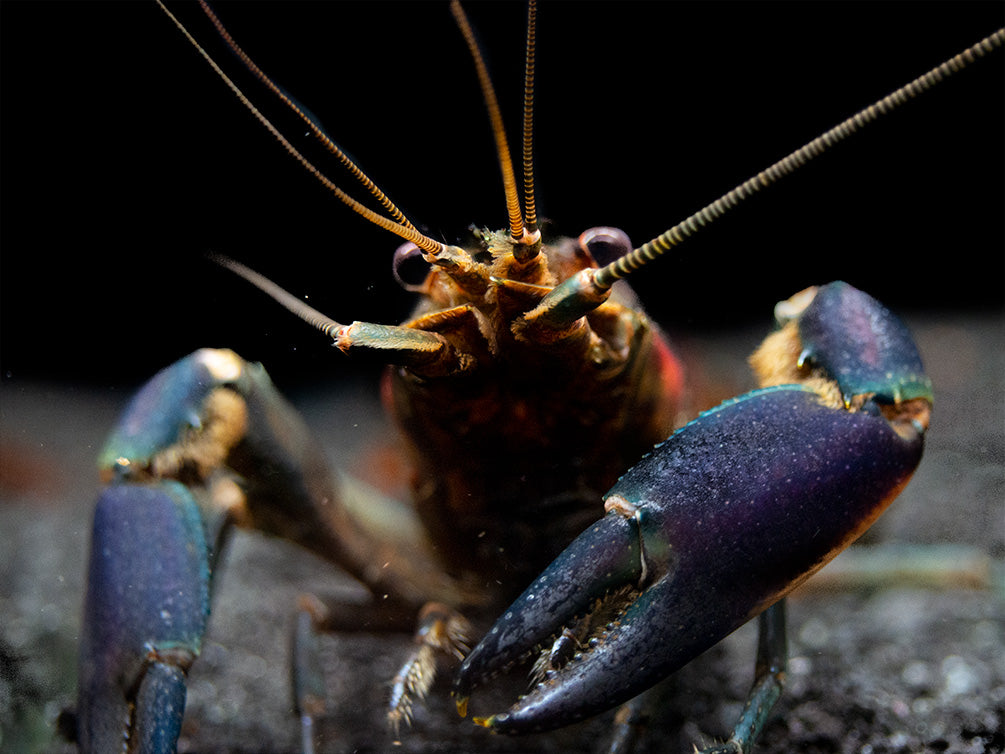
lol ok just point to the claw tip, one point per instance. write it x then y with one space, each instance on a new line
462 706
492 722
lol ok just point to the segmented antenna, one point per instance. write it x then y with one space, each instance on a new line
516 226
529 206
312 125
409 233
605 277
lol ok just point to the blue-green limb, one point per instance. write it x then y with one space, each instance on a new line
209 443
769 681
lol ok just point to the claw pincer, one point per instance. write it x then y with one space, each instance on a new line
147 601
144 616
205 444
727 516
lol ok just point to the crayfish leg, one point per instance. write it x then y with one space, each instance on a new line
630 721
306 677
314 616
440 630
769 681
632 717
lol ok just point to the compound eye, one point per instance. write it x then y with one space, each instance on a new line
409 267
605 244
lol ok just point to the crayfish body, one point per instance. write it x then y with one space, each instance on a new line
527 386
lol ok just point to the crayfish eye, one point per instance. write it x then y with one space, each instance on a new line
605 244
409 267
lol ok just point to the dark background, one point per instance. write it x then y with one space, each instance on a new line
124 160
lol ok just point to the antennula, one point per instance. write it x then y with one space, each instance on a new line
530 241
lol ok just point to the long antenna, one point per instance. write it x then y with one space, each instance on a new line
585 291
430 246
312 125
605 277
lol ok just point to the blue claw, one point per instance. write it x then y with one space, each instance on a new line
864 347
217 424
145 614
723 519
167 406
603 558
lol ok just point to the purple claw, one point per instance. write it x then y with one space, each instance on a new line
144 616
708 530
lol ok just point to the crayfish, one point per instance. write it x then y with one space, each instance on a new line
612 539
